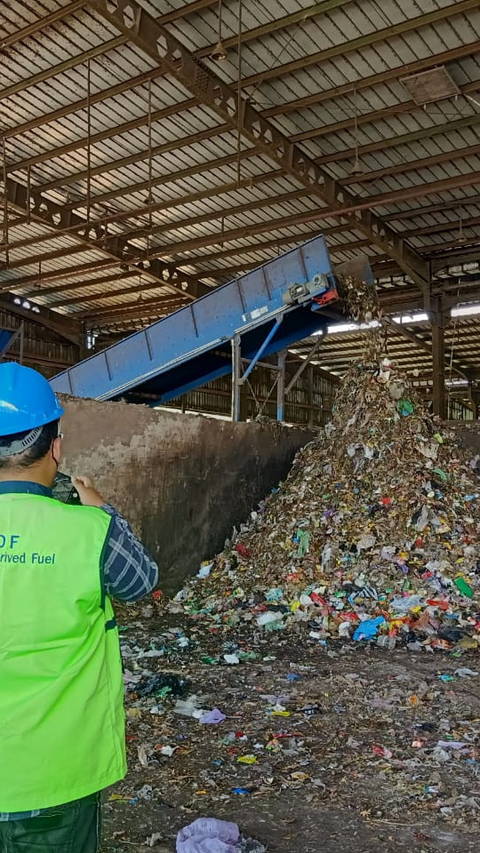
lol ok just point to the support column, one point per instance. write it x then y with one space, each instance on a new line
244 402
282 355
236 374
311 418
474 395
438 355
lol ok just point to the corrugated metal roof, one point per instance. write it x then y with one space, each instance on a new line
198 217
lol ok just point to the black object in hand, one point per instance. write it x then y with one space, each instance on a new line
64 490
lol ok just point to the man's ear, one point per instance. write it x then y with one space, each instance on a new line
57 447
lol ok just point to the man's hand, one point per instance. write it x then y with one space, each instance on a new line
87 492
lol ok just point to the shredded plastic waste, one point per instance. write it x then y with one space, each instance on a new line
374 534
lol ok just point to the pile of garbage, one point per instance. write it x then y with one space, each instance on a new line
373 536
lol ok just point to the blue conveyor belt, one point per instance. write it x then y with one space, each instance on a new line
280 300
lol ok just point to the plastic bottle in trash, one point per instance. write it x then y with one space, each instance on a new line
386 642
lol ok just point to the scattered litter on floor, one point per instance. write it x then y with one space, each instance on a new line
322 670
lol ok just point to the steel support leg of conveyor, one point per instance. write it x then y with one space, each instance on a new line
262 349
282 355
303 365
236 376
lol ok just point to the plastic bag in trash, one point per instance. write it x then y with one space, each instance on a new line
368 628
209 835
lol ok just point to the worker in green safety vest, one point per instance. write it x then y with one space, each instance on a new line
62 729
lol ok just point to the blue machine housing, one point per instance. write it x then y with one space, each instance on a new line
270 308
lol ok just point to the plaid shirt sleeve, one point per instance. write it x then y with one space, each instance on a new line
129 572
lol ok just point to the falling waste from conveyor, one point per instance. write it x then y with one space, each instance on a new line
374 534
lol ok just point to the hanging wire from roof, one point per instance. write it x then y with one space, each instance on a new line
239 93
357 168
89 139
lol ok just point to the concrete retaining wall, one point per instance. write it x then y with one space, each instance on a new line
182 481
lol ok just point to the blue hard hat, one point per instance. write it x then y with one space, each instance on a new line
26 399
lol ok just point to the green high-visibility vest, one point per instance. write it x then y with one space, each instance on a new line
62 727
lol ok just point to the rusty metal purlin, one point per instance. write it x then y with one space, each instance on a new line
359 43
58 216
426 189
161 45
68 328
104 297
5 203
163 205
42 23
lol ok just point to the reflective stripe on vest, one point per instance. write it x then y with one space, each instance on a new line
62 728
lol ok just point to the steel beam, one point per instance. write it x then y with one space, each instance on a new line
143 307
69 147
38 259
410 25
414 67
394 142
189 9
423 344
210 192
248 231
369 118
169 177
67 328
447 56
222 214
79 59
232 158
42 23
110 310
299 18
71 272
413 165
294 219
453 225
145 316
463 255
206 134
92 282
437 251
276 244
414 192
81 104
210 133
435 208
104 296
461 298
52 71
139 156
304 364
177 249
158 43
174 226
55 215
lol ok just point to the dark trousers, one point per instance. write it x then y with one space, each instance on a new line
72 828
